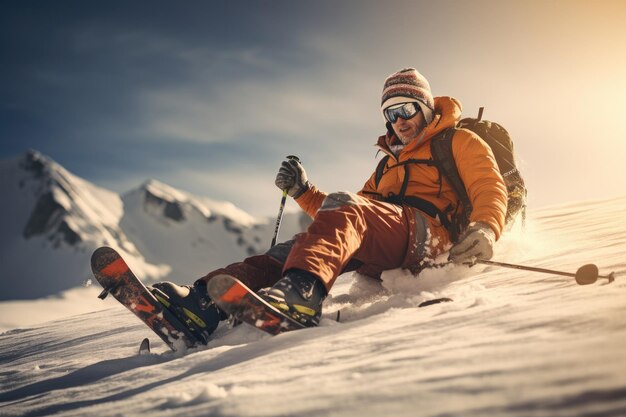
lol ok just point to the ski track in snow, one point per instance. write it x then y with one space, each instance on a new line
513 343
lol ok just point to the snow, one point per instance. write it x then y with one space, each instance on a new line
43 263
512 343
70 217
24 313
210 235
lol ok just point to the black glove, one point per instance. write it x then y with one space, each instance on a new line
292 177
476 243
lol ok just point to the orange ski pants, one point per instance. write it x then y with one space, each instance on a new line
349 232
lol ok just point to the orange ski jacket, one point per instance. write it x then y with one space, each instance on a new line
475 163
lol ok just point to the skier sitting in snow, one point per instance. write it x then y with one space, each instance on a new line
403 219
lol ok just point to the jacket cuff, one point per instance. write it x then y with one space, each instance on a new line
301 191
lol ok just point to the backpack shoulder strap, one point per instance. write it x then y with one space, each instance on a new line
441 149
380 168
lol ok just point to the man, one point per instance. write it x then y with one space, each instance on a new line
402 219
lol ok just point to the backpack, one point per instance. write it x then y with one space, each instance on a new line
501 145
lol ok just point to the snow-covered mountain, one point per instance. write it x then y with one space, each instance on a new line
512 343
52 221
194 235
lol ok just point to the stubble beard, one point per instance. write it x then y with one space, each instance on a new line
406 140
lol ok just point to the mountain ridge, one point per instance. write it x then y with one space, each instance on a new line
56 219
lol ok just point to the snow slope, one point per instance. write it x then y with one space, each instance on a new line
512 343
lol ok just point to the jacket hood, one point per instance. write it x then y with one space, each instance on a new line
447 114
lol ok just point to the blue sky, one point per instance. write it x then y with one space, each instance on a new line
210 96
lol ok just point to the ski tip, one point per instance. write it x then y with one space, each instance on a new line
100 252
220 285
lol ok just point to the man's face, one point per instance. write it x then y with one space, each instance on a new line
407 130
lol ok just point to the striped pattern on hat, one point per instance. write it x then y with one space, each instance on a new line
407 83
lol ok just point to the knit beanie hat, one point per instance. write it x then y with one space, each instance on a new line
408 86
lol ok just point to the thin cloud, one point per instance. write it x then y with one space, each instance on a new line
306 104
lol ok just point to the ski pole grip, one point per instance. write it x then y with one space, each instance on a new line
283 200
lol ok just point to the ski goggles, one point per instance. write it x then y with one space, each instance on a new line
403 110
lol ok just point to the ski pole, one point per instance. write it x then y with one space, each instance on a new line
283 200
585 275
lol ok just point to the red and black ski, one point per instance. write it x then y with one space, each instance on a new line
117 279
234 298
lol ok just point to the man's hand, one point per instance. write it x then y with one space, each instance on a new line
292 177
476 243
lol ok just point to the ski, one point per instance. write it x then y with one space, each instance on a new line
116 278
239 301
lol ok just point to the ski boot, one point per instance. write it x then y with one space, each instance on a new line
299 295
192 305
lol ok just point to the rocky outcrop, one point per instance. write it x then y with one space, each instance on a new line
48 215
172 210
